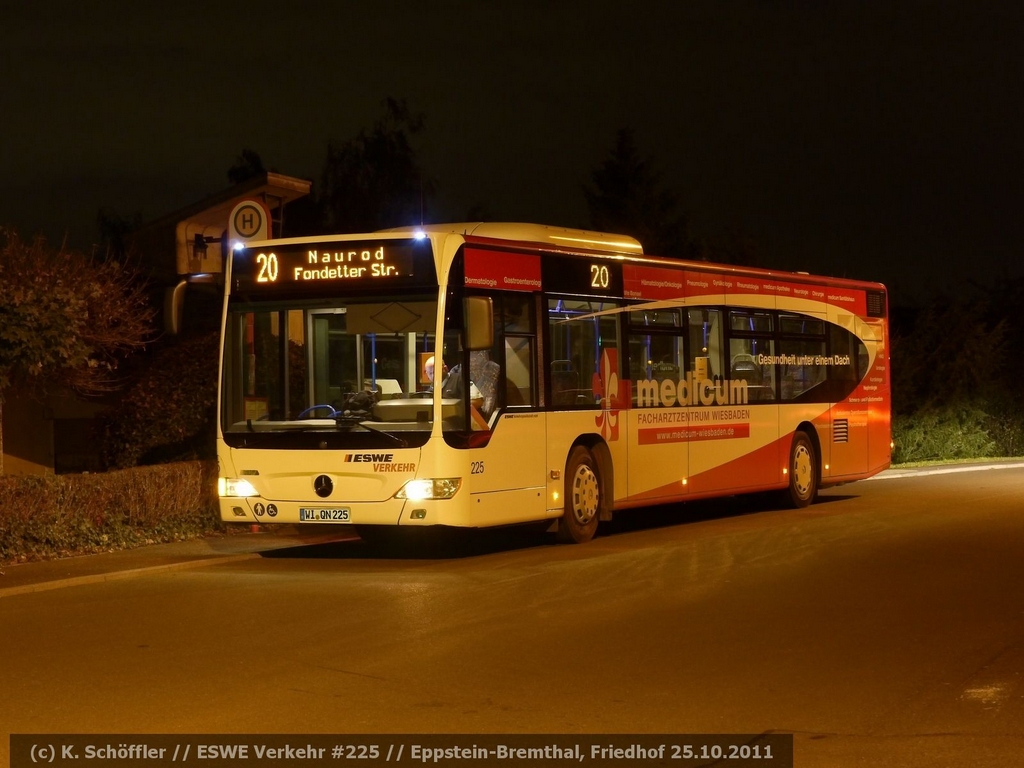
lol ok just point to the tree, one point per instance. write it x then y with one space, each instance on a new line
65 318
953 355
114 229
952 397
728 248
374 180
629 198
247 165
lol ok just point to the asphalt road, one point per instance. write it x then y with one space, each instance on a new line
884 626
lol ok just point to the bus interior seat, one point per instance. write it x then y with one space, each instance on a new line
388 388
745 367
565 383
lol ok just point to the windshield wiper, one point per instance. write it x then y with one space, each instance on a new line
397 440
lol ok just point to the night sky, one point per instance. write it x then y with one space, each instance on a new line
877 140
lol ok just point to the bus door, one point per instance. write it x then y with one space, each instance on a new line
506 473
658 424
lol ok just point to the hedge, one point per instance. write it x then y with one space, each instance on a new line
60 515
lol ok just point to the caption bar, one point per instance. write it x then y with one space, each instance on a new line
773 750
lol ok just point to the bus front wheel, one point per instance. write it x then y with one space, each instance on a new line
803 471
582 497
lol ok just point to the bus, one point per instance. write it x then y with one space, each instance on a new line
488 374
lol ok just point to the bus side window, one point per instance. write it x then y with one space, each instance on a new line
565 382
577 339
803 341
751 350
519 374
706 346
517 327
843 345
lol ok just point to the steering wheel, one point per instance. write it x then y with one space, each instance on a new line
312 408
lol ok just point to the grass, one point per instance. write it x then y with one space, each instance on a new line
945 462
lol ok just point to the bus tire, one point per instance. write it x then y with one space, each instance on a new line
803 471
582 497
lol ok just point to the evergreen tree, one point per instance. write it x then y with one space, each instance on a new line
375 180
247 165
628 197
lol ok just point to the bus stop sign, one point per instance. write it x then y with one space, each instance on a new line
250 220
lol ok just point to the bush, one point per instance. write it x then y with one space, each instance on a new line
169 412
66 318
59 515
1006 427
951 432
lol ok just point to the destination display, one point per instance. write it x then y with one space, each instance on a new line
589 277
329 264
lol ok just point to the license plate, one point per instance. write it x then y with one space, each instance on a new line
324 514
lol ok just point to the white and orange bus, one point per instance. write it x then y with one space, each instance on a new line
599 379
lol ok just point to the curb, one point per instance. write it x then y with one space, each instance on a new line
894 474
96 578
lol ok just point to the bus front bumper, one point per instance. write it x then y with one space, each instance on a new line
389 512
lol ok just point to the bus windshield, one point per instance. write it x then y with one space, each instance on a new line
344 373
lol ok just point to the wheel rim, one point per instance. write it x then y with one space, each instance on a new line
585 494
803 471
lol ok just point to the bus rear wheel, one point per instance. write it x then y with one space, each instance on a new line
582 497
803 471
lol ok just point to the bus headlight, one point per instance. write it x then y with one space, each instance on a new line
436 488
230 486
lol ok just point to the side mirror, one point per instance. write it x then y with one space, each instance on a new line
478 312
174 305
